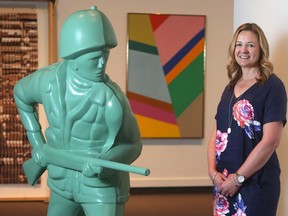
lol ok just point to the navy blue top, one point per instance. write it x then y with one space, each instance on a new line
246 115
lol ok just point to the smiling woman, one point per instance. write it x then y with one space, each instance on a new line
249 122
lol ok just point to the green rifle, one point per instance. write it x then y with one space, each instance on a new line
71 161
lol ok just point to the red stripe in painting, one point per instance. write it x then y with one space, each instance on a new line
152 112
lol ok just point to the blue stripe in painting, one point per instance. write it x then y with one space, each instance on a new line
182 52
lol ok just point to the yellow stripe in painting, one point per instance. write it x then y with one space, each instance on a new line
196 51
150 128
140 29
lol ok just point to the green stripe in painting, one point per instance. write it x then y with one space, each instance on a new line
187 86
134 45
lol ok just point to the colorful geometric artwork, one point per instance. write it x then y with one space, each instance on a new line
166 57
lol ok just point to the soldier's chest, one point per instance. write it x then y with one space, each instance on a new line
85 96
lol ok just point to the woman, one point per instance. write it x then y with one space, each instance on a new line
242 160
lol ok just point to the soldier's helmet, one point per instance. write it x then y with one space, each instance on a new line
86 31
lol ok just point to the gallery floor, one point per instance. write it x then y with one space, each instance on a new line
143 202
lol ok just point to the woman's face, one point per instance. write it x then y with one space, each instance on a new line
247 50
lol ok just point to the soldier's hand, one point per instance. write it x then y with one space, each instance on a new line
90 170
38 155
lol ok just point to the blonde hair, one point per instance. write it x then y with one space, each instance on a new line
265 66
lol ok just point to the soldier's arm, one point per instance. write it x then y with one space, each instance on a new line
26 96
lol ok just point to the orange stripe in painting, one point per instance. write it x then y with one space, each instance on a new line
151 128
196 51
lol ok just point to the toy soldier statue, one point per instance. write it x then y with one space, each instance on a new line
89 118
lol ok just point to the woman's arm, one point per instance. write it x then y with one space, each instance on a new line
211 156
216 177
272 133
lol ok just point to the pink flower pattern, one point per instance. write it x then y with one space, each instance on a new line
221 205
221 143
243 113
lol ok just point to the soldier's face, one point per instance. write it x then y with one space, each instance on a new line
94 60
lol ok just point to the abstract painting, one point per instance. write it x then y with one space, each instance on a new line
165 84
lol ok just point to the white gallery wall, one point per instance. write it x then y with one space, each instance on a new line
272 17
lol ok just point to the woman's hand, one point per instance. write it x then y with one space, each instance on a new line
219 179
228 187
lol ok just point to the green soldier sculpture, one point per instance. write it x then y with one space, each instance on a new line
93 136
